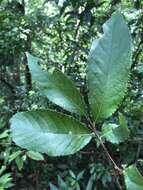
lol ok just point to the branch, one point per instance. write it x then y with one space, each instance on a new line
106 152
116 167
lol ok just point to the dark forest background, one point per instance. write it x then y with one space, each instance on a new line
60 33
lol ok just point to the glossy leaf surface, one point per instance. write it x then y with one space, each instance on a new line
57 87
49 132
115 133
133 178
35 155
108 67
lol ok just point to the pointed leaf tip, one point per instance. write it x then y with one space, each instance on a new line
57 87
108 68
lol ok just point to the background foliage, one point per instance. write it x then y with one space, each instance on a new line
61 32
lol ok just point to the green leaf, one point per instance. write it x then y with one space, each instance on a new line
53 187
35 155
57 87
49 132
62 184
115 133
123 122
4 134
72 174
5 180
133 178
14 155
19 162
2 169
2 123
80 175
90 183
108 68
